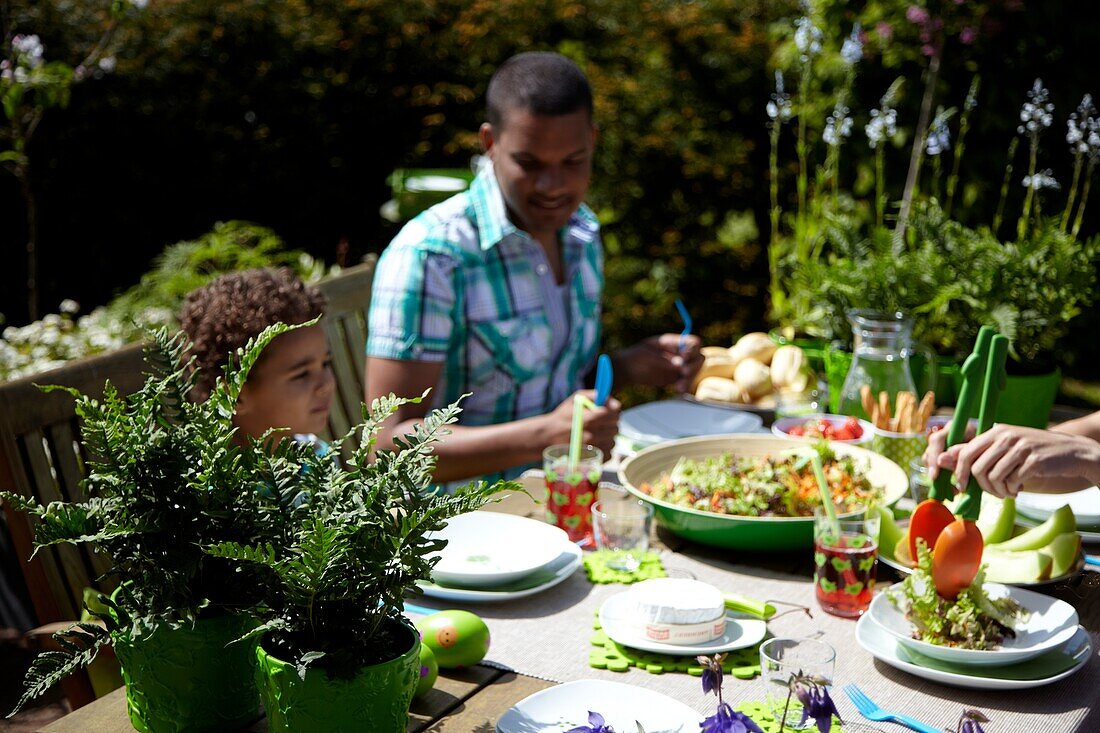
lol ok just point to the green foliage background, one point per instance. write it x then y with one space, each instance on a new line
292 114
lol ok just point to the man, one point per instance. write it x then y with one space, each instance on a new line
496 291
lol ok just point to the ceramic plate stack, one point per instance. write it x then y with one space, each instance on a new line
1049 646
660 422
491 556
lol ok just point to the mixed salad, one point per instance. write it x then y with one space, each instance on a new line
769 486
972 621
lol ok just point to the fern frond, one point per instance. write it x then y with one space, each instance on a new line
80 645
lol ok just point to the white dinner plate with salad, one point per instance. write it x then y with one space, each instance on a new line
488 549
1049 625
1085 505
657 422
741 631
1042 670
564 707
542 579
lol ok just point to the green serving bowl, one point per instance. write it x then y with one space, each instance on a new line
743 532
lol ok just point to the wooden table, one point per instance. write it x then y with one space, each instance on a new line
471 700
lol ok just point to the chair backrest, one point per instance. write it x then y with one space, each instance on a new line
41 456
346 328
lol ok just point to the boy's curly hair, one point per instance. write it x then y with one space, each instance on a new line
221 316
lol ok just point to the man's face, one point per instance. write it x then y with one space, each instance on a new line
543 165
290 387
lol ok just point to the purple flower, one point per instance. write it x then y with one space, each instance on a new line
596 724
968 35
816 704
712 674
971 722
727 720
885 30
916 14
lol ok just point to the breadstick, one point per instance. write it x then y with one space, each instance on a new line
906 417
884 410
925 410
868 400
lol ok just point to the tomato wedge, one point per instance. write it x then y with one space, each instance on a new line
928 520
957 557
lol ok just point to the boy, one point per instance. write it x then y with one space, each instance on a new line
496 291
292 384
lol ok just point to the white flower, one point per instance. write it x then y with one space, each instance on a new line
29 49
837 126
1078 125
69 307
971 96
883 125
107 64
807 37
1093 142
1042 179
780 105
852 50
939 138
140 4
1037 112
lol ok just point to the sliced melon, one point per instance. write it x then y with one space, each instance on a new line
1026 566
1063 549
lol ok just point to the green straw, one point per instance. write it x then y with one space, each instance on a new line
826 495
580 402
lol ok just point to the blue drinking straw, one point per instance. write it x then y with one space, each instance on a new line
686 317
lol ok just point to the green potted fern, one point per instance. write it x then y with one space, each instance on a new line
165 478
349 543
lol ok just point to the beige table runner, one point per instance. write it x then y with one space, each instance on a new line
547 636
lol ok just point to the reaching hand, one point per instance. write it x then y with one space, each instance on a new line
600 424
658 362
1008 457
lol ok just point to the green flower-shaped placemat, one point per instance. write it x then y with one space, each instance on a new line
597 570
762 715
606 654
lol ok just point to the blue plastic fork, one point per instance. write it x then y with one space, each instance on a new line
604 379
686 317
870 710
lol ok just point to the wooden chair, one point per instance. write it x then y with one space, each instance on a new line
41 457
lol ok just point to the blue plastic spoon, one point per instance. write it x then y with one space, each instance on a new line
605 377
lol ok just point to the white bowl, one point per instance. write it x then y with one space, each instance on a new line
564 707
783 425
486 549
1052 624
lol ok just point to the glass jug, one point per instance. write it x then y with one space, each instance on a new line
882 345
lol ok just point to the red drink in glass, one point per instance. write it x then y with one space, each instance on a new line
844 573
571 490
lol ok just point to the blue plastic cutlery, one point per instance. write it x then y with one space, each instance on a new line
686 317
871 710
1092 559
605 377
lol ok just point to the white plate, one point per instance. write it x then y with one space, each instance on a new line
1052 623
557 571
488 549
1085 505
883 647
563 707
443 184
741 632
656 422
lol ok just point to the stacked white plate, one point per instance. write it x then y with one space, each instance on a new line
1085 505
658 422
1050 645
491 556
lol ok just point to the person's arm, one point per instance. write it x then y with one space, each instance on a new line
1088 426
658 362
1009 458
474 451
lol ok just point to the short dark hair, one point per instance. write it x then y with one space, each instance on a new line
540 83
221 316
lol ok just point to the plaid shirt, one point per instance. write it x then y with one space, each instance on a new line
461 285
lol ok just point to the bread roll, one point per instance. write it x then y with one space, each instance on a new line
756 346
754 377
720 390
788 368
717 362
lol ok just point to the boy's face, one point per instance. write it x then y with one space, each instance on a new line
290 387
543 165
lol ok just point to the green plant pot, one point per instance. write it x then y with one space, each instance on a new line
1027 398
376 699
186 680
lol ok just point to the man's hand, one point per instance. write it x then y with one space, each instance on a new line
1008 458
937 444
600 424
658 362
